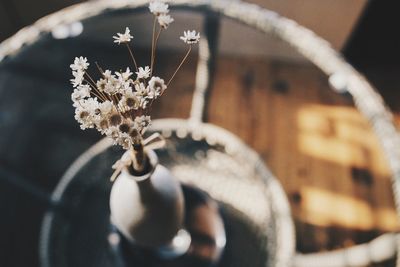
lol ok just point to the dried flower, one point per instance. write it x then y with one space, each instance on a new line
141 90
116 104
143 73
157 87
158 8
190 37
124 76
78 78
80 64
141 123
164 20
123 37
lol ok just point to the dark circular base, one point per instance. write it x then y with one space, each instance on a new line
206 245
79 234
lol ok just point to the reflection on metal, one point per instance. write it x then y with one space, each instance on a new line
67 30
208 49
338 82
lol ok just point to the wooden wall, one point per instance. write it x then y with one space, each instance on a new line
314 140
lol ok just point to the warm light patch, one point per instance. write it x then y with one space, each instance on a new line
324 208
339 135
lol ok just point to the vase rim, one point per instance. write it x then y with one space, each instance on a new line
153 160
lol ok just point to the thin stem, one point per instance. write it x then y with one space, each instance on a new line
100 69
97 95
180 65
93 85
89 82
152 42
94 90
116 108
115 101
88 75
133 58
154 52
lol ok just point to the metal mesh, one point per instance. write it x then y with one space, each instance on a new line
78 235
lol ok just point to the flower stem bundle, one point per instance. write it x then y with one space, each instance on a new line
118 103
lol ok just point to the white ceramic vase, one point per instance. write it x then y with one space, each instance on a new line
148 210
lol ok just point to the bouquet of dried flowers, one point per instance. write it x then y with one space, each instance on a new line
118 104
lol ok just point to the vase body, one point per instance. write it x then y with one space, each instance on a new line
148 210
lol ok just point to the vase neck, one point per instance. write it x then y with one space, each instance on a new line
149 162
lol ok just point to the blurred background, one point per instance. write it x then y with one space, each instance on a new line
314 140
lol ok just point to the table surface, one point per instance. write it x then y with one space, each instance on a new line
318 145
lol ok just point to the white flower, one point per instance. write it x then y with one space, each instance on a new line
90 104
125 140
76 96
141 123
84 118
110 88
143 102
80 93
130 101
158 8
126 87
84 90
78 78
80 64
143 73
106 107
124 76
113 85
107 74
141 90
123 37
113 132
101 84
157 87
190 37
164 20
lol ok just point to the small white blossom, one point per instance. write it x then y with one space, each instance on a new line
113 132
90 104
126 87
76 96
143 73
110 88
130 101
106 107
125 141
80 93
80 64
84 90
125 37
164 20
107 74
157 86
141 90
190 37
78 78
101 84
142 122
84 118
124 75
158 8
